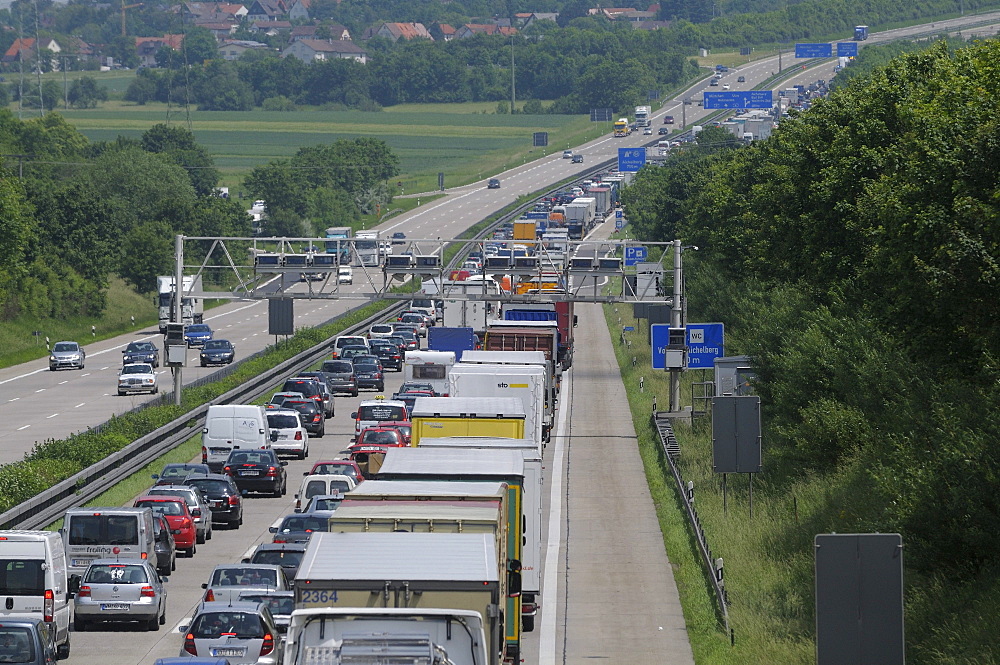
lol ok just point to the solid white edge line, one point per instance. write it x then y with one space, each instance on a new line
550 584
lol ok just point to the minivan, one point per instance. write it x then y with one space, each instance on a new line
99 533
34 581
372 412
230 426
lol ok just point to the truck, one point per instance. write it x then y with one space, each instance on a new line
335 242
456 340
466 416
860 33
580 216
622 128
412 573
480 465
524 229
429 367
563 313
518 358
642 116
368 248
531 552
192 308
461 313
526 336
523 381
337 636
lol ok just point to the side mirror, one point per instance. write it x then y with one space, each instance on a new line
196 512
284 463
204 585
74 584
274 435
176 532
272 529
204 430
353 415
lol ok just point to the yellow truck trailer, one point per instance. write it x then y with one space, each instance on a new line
467 416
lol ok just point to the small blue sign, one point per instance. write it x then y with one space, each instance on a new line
619 213
814 50
629 328
631 159
706 342
847 49
619 224
659 336
635 254
739 99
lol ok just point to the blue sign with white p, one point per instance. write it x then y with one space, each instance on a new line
635 254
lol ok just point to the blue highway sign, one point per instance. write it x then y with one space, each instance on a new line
847 49
739 99
706 342
631 159
814 50
619 224
619 213
635 254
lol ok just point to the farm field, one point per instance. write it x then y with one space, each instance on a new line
467 142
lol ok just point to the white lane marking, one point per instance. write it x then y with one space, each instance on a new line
21 376
23 427
79 405
13 399
62 382
52 416
102 369
40 390
87 374
550 584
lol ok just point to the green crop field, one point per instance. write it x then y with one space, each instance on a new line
466 142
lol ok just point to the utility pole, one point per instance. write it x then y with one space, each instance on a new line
676 321
512 73
178 307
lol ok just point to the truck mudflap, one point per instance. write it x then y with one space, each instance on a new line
529 608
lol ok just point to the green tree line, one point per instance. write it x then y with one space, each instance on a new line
854 255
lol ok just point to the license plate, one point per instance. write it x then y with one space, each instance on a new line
219 450
250 472
81 562
215 504
223 652
114 607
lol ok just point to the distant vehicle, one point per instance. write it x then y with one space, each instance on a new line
647 131
342 376
179 517
380 330
287 432
281 604
286 555
197 334
398 237
493 183
176 473
166 548
224 497
663 131
33 638
67 354
725 86
577 159
197 504
137 378
668 120
567 154
217 352
741 79
298 527
344 467
321 483
229 579
345 275
714 82
141 352
112 590
257 471
324 502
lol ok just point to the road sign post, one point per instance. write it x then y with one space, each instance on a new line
635 254
631 159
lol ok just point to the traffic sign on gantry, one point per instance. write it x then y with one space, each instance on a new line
739 99
814 50
847 49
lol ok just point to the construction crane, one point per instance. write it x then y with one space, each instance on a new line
124 7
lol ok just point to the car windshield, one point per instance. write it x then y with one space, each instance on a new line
137 369
139 346
213 625
245 577
338 366
65 346
116 573
171 508
282 421
380 438
198 328
248 457
304 523
217 345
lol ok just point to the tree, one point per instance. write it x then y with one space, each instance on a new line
149 247
179 145
142 89
84 93
200 46
16 221
52 94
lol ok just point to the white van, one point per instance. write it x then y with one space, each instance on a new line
371 412
34 581
231 426
318 484
429 367
106 533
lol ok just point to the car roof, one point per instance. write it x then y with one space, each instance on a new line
209 476
162 498
282 412
232 606
282 546
113 562
260 566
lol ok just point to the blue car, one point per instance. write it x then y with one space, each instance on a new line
141 352
217 352
197 334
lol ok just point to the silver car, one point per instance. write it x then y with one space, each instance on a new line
113 590
245 633
199 506
67 354
228 580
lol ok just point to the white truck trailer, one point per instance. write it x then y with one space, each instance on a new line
192 308
524 381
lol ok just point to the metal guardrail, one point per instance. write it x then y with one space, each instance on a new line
671 451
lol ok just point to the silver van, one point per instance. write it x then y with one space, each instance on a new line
103 533
232 426
34 582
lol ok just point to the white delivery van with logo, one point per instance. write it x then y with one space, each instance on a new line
107 533
232 426
34 581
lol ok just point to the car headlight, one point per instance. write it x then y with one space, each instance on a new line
52 358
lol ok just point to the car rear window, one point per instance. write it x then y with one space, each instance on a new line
116 573
245 577
278 557
338 366
19 647
172 508
381 412
212 625
210 486
304 523
22 577
282 421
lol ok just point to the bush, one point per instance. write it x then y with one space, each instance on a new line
279 103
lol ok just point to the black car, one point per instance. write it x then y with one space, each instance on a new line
326 390
217 352
663 130
312 415
176 473
224 497
299 527
286 555
493 184
398 341
141 352
398 237
257 471
341 376
411 338
308 387
166 548
389 355
369 373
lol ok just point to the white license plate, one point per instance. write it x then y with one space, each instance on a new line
250 472
81 562
223 652
114 607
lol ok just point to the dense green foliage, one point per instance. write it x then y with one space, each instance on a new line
855 255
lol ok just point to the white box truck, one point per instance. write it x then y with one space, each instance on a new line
192 309
430 367
525 381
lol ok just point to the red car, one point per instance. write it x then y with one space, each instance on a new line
344 467
181 522
386 437
404 426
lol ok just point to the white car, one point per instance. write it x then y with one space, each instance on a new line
647 131
137 378
345 275
725 86
380 330
287 433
